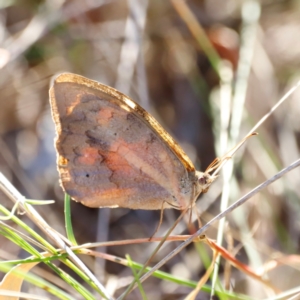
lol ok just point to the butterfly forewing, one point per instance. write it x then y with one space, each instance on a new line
110 155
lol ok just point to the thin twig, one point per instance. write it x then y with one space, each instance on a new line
250 14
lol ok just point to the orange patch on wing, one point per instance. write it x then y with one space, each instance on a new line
74 104
117 193
104 115
111 197
117 163
88 156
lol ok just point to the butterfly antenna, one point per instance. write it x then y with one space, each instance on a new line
218 163
213 165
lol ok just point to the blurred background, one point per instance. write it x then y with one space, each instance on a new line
196 66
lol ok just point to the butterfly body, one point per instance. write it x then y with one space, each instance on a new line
112 153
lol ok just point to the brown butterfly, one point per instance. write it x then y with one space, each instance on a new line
112 153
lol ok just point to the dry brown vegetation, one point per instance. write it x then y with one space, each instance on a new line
182 61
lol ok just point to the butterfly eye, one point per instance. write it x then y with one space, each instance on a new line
202 180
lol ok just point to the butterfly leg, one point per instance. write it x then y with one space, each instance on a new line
198 216
160 220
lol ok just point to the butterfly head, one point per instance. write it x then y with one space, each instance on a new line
204 180
198 183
